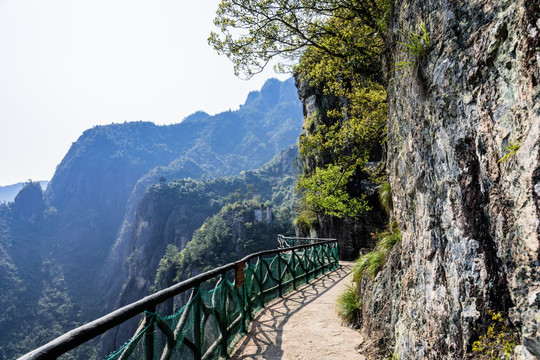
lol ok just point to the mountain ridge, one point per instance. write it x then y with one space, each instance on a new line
89 203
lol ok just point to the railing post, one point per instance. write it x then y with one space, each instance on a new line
149 334
197 338
244 308
335 254
248 291
307 264
293 270
224 318
261 284
279 274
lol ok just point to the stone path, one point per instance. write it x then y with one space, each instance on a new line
303 325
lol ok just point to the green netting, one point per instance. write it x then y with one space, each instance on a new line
212 322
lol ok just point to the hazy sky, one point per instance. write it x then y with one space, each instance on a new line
67 65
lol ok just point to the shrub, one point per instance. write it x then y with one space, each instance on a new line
373 261
348 304
498 341
305 221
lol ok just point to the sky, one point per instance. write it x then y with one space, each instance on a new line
68 65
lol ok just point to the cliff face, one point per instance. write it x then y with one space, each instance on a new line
470 223
353 235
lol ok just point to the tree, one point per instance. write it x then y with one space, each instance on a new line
336 46
325 193
255 31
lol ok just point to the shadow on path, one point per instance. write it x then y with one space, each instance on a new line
264 339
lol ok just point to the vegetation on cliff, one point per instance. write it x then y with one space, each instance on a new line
248 212
33 283
462 155
226 237
335 50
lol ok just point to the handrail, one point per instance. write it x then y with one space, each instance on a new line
87 332
285 242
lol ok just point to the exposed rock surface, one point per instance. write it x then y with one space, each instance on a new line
352 234
29 204
470 223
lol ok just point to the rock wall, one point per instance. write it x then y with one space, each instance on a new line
470 223
353 235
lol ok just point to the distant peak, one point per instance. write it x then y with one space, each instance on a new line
196 117
271 92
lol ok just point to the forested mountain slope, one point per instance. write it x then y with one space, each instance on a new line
204 223
91 200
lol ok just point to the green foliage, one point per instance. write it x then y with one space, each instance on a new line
225 237
305 220
510 150
385 196
389 236
254 32
325 192
228 228
416 45
498 341
208 248
372 262
171 257
369 263
347 143
348 304
393 355
339 44
337 145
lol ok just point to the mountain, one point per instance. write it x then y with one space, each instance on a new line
8 192
90 204
182 214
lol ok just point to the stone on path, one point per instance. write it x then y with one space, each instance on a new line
304 324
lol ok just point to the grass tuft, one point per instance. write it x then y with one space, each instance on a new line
372 262
510 150
305 220
416 44
348 305
385 197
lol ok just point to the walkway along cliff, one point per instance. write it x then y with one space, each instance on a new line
216 315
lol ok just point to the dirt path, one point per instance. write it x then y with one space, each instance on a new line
303 325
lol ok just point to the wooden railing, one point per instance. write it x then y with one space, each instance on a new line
228 309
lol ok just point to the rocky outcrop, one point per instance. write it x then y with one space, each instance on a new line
29 203
353 235
469 220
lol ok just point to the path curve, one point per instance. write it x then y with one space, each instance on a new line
303 324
